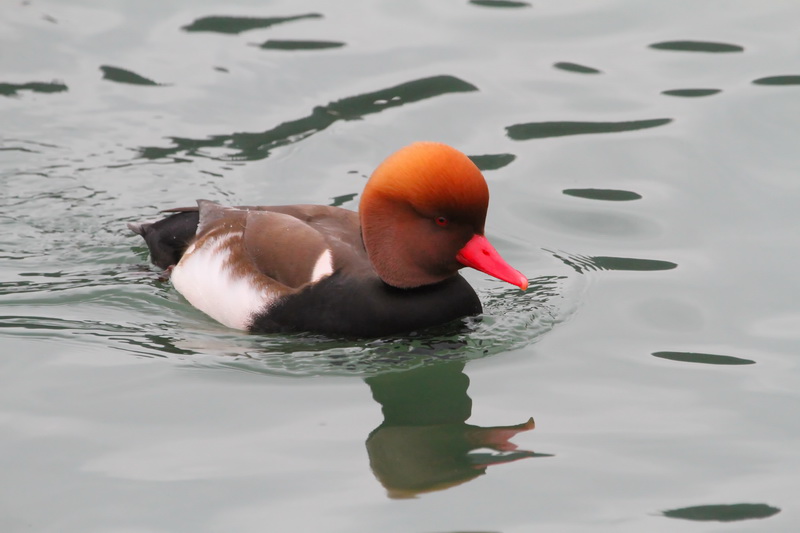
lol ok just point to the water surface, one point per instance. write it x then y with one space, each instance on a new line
643 170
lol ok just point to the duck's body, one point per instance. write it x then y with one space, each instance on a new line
388 269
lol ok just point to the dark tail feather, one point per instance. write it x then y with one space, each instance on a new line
140 228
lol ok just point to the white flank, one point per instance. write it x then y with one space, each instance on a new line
203 276
323 267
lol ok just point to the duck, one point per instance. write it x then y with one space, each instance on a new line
391 268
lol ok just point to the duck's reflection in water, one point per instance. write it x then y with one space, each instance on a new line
424 443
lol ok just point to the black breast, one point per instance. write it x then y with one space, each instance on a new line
358 307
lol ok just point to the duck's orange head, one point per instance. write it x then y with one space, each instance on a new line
422 218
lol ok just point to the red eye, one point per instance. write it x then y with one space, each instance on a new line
442 221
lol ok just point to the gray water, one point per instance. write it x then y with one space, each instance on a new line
643 164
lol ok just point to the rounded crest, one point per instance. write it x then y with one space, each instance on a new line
429 174
404 205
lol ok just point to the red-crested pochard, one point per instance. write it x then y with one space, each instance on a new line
390 268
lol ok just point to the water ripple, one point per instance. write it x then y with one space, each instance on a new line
585 263
511 319
256 146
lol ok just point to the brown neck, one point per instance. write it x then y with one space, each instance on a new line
396 247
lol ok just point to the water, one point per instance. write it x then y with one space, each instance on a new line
642 162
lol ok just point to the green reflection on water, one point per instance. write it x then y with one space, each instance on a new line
704 358
778 80
255 146
697 46
424 443
584 263
287 45
120 75
11 89
223 24
540 130
499 3
724 513
629 263
574 67
691 93
342 199
492 161
612 195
